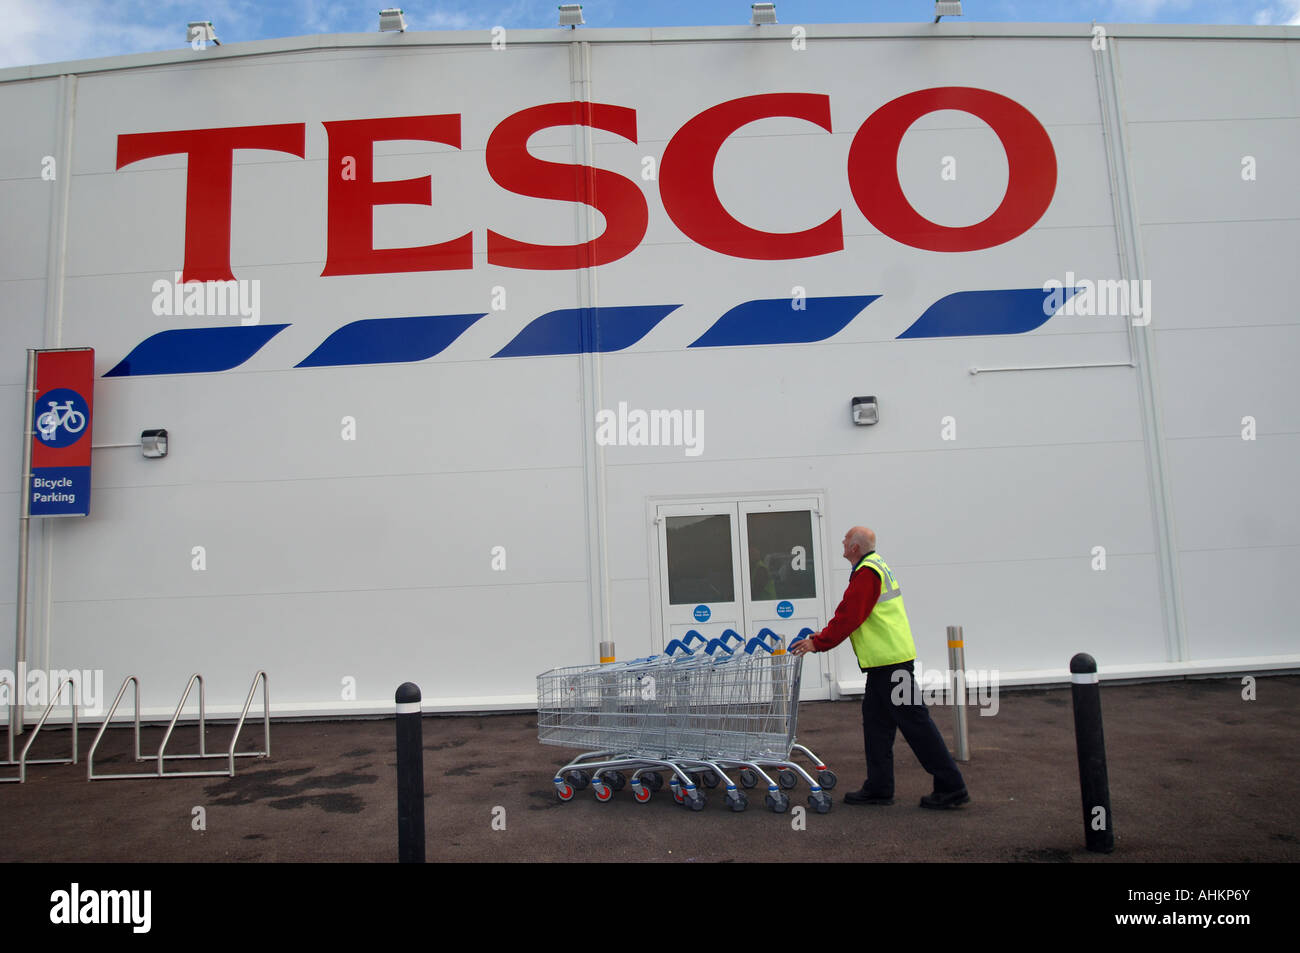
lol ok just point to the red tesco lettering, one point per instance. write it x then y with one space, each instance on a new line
686 184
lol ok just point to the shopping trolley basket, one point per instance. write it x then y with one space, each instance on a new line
691 715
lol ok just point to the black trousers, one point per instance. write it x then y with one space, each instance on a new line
882 714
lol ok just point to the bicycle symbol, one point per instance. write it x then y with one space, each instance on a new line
64 420
70 420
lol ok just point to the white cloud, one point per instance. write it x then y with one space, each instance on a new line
1285 13
521 14
1140 11
50 32
1267 12
310 17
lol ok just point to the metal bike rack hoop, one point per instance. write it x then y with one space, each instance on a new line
23 761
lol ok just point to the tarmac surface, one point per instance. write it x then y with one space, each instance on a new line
1197 773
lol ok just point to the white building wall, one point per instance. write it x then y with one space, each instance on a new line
1220 250
371 559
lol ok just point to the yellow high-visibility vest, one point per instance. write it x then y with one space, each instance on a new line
885 637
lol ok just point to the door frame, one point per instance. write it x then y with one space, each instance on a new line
825 671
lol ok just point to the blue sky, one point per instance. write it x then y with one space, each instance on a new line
44 31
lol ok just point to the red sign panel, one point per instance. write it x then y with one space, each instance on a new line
60 418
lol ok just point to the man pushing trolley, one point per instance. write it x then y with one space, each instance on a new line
872 617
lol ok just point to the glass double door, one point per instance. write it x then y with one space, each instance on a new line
743 566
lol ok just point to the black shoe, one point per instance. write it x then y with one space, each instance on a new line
866 797
945 799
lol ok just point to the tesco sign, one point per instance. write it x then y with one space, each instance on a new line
686 184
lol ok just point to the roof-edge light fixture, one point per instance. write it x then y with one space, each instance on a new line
199 33
392 21
946 8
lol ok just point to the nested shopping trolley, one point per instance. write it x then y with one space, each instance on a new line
693 715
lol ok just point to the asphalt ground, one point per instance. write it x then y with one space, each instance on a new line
1197 774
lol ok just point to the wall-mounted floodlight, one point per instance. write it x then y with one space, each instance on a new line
946 8
392 21
202 32
153 443
571 15
865 411
760 13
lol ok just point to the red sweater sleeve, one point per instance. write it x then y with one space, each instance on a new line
858 602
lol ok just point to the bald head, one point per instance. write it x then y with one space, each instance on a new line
857 543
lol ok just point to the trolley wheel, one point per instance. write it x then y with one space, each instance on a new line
579 779
737 801
654 779
787 779
708 778
820 802
827 779
678 795
601 790
616 779
642 792
778 802
564 792
748 777
696 801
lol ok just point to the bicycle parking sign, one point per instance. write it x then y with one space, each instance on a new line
59 484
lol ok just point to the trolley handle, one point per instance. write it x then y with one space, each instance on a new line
766 633
732 634
715 645
676 644
804 633
757 643
686 642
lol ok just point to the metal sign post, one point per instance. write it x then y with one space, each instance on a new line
24 528
56 470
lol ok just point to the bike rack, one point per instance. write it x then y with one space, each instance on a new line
23 761
266 723
13 710
162 757
90 757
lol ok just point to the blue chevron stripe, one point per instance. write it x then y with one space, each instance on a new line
778 321
586 330
389 340
590 330
1013 311
195 350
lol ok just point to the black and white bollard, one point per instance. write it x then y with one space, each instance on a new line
410 775
1098 825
